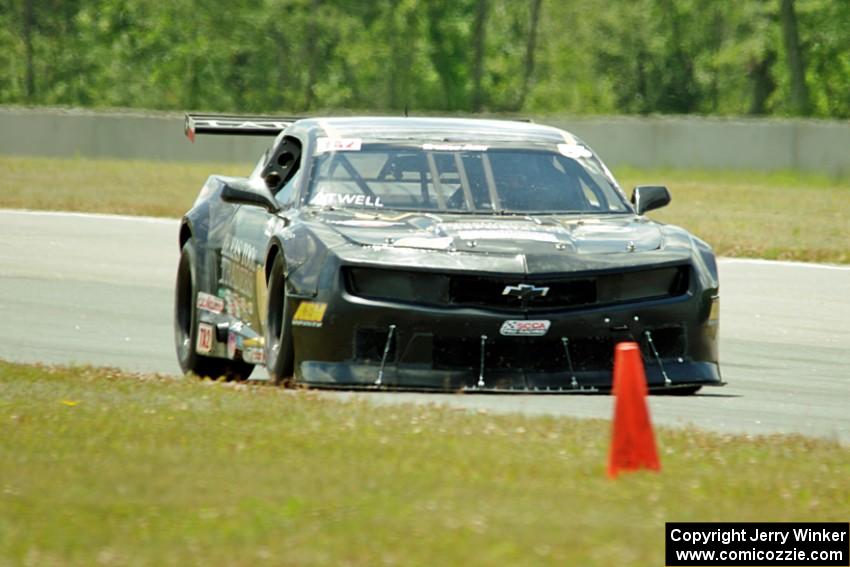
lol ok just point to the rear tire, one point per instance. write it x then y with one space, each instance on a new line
186 325
280 352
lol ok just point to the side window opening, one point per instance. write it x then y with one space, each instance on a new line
282 169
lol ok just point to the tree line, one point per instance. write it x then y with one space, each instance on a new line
713 57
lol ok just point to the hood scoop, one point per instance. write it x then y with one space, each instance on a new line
615 238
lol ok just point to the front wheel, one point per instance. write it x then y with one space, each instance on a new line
280 353
186 326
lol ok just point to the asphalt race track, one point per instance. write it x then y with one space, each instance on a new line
97 289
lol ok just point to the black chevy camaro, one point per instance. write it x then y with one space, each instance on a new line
436 253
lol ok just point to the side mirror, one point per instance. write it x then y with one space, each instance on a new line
648 197
244 194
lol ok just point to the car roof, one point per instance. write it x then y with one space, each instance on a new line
432 129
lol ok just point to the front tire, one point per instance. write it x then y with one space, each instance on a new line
280 353
186 325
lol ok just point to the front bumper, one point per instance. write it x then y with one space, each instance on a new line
365 343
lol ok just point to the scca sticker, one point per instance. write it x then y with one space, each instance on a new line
309 314
523 328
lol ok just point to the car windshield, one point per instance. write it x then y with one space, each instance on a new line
465 178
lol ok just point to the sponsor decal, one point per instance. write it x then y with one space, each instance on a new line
254 356
309 314
523 328
337 145
239 266
210 303
239 251
205 338
455 147
574 151
236 277
237 305
347 199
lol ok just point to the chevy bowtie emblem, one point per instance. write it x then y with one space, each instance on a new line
525 291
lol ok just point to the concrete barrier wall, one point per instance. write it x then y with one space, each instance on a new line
716 143
691 142
55 133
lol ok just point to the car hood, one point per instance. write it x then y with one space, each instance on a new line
531 244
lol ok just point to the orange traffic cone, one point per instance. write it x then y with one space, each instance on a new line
632 439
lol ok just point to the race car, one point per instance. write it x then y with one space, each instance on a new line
436 254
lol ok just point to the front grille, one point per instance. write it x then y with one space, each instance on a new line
502 354
533 355
488 292
588 354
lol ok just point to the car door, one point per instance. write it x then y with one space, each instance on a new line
242 282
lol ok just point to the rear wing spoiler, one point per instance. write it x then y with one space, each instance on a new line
236 125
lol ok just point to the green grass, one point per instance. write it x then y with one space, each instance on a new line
785 216
147 188
766 215
98 467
